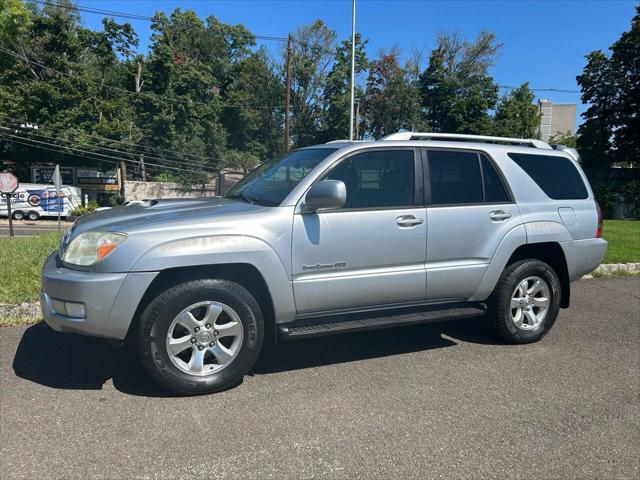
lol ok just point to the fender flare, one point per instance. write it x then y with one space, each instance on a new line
226 249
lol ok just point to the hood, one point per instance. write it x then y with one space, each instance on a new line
153 212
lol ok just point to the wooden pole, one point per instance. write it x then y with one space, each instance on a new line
9 214
287 103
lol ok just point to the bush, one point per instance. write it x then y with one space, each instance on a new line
79 211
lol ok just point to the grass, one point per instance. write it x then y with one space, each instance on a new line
624 241
21 260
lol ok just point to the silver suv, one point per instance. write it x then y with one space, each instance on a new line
346 236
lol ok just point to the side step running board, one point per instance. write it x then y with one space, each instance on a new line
330 325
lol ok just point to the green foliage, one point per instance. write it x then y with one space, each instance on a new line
516 115
611 87
312 54
391 100
337 91
456 90
79 211
568 139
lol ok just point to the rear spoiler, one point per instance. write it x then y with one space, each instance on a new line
570 150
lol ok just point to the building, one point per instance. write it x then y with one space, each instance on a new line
556 118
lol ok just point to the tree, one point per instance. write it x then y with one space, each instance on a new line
313 46
516 114
390 101
568 139
337 90
611 87
456 90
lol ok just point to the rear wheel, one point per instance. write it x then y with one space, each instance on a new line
526 301
200 336
33 216
18 215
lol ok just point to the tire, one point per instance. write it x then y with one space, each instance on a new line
535 320
166 319
19 215
33 216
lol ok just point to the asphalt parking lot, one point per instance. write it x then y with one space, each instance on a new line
443 400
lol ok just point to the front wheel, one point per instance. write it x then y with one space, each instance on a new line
200 336
33 216
18 215
525 302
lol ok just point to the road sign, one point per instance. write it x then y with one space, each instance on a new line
8 185
8 182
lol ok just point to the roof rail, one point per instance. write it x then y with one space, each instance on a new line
459 137
345 140
570 150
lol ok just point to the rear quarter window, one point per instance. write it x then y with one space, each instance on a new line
556 176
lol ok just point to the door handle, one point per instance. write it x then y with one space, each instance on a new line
499 215
408 221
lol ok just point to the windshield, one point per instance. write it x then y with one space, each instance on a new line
272 181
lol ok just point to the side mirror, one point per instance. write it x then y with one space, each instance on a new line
325 195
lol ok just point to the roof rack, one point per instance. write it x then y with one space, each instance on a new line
459 137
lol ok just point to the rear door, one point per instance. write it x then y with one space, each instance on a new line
371 251
469 211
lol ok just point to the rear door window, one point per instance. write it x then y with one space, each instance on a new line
455 177
494 191
556 176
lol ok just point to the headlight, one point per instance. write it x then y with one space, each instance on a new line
91 247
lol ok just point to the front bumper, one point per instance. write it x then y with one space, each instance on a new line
109 299
583 256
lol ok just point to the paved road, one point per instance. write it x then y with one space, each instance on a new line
24 228
434 401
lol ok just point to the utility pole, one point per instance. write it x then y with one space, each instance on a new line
139 83
353 64
358 121
287 102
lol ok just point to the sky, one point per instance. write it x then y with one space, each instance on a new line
544 41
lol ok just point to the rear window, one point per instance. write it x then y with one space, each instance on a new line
556 176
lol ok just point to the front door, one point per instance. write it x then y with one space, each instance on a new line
372 250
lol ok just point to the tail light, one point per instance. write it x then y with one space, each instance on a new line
599 230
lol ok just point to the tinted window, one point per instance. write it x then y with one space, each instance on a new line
377 179
556 176
272 181
494 191
455 177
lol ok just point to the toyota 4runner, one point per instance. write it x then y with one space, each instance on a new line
340 237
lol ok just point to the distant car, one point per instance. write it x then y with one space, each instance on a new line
333 238
32 201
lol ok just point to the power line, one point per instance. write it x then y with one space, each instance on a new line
109 158
559 90
166 158
131 16
178 99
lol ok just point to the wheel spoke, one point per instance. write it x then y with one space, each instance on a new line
230 329
531 317
177 345
535 288
518 317
522 288
197 361
188 321
221 353
212 314
541 302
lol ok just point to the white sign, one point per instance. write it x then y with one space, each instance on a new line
8 182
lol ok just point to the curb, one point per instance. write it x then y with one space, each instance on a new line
607 269
31 311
